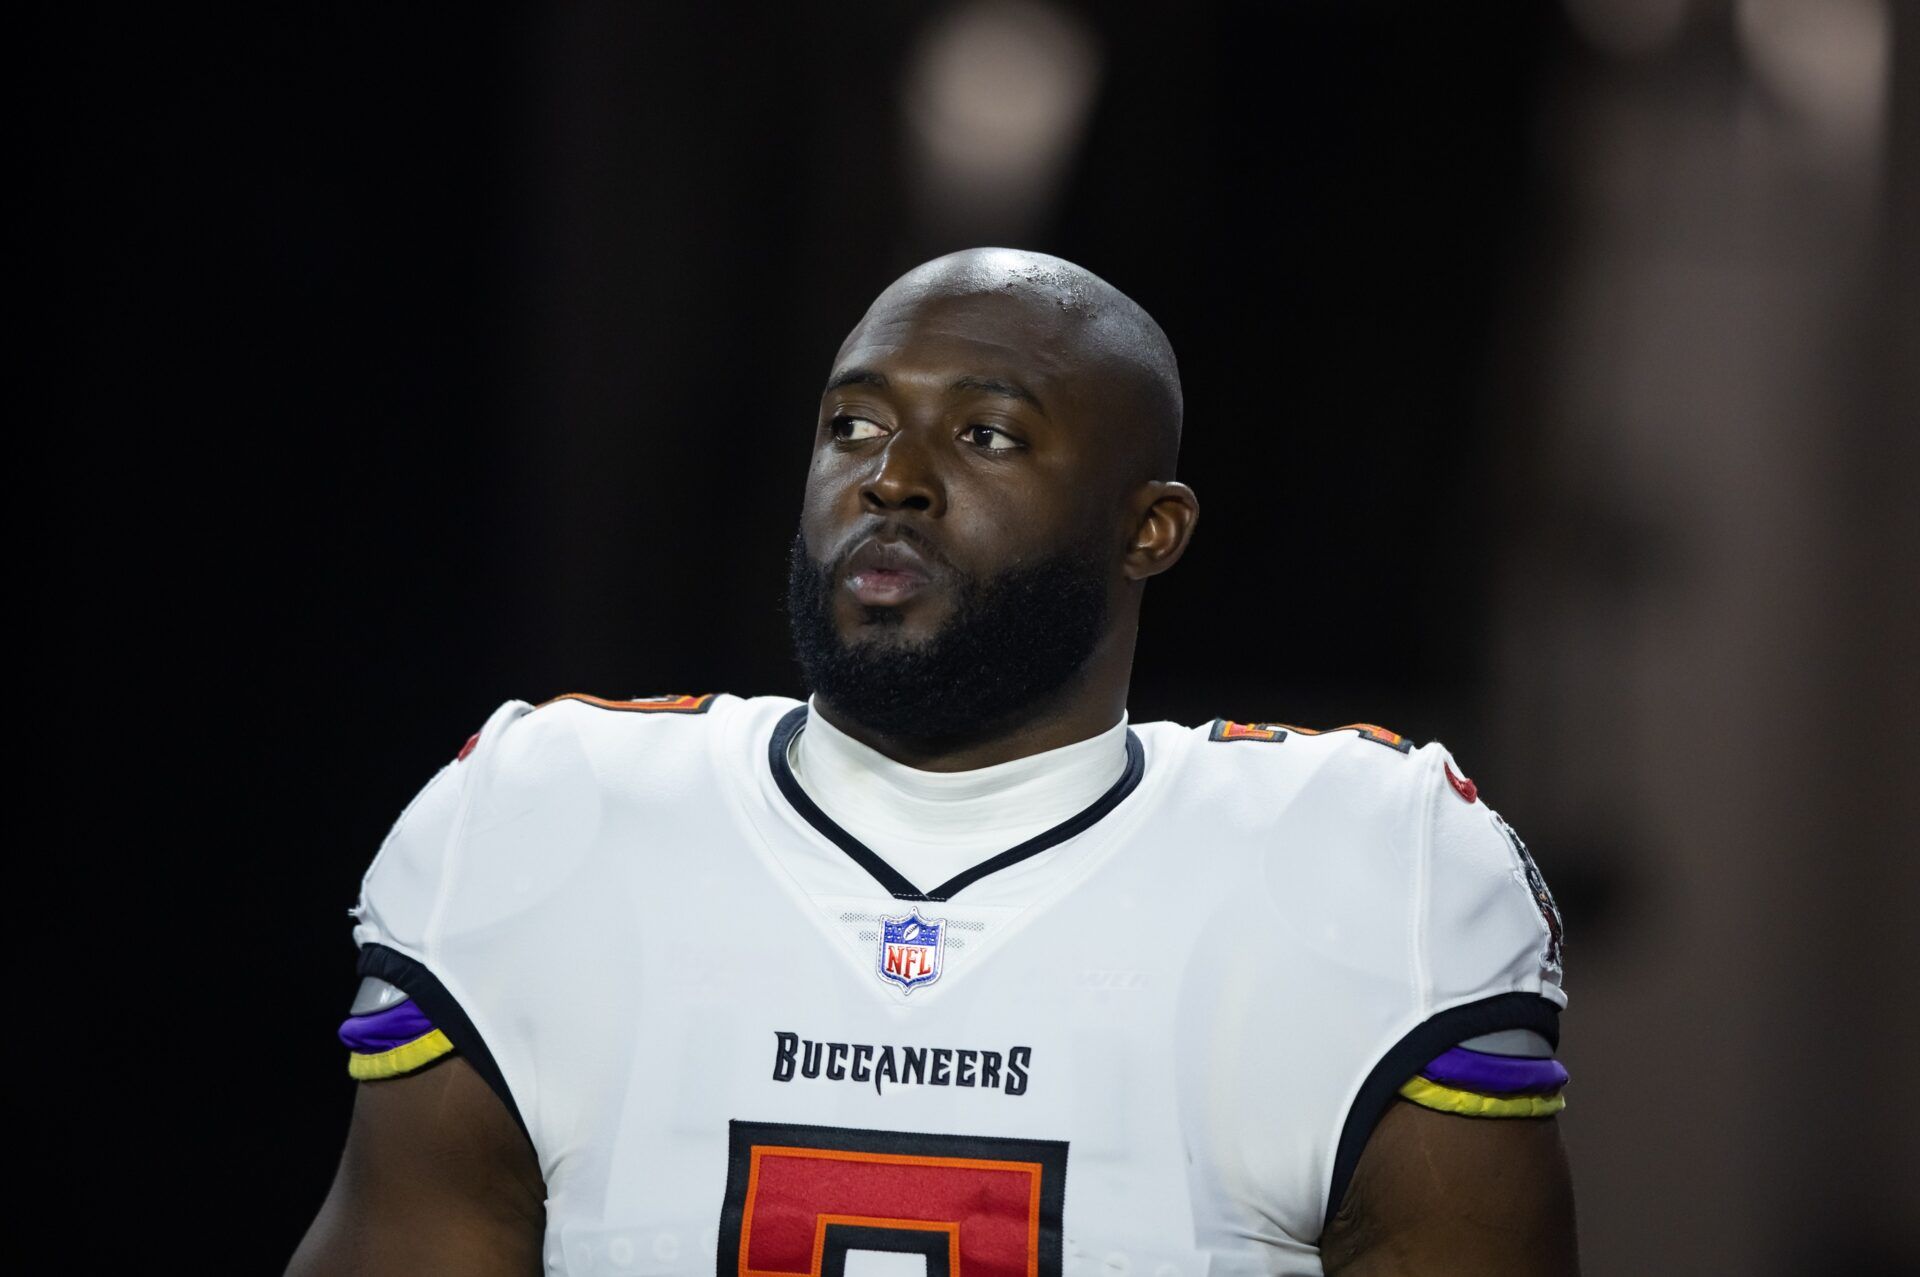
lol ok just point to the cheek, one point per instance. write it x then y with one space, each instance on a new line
1019 517
828 486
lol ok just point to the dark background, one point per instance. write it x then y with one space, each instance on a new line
1549 391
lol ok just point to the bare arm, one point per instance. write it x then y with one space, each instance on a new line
436 1178
1437 1193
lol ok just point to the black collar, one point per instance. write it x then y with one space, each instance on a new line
892 879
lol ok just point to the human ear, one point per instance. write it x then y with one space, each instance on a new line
1164 514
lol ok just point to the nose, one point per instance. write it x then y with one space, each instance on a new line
904 477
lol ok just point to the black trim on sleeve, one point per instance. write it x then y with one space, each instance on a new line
896 882
424 987
1416 1049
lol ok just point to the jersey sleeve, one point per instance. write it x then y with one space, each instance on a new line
407 1014
1486 968
1490 925
1493 933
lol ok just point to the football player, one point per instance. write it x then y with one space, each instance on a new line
954 969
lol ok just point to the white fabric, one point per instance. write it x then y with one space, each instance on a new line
1517 1042
1197 984
375 995
933 826
874 1263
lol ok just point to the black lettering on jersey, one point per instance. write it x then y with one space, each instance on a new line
1017 1061
863 1062
1542 898
784 1046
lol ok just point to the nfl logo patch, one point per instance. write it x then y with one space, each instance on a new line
911 949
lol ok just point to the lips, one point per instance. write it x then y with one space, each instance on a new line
886 573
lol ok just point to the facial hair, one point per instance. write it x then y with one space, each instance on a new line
1016 643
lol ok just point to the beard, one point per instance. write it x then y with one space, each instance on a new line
1016 644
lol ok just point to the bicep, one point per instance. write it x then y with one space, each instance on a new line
436 1177
1435 1192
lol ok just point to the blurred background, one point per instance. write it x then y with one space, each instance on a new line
1551 384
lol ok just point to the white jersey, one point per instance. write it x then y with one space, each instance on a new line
1151 1040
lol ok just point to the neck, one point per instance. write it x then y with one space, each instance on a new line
934 826
1088 707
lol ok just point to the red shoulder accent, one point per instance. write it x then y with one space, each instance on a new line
1461 785
644 704
467 748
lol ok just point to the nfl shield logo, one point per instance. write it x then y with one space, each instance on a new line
911 949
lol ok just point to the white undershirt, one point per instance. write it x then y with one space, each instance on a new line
932 826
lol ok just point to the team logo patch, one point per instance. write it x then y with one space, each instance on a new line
912 950
1536 885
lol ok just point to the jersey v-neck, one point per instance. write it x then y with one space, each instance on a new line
887 874
932 825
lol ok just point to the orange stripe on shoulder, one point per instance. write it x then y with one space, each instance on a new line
1226 729
1377 734
642 704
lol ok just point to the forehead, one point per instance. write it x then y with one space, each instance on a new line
997 332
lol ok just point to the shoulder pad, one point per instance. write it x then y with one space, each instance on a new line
406 877
1491 915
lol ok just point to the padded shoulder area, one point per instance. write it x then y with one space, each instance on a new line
1343 859
509 825
1411 861
1256 776
655 749
402 886
1382 857
1491 922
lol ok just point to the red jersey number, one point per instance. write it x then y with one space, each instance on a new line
800 1197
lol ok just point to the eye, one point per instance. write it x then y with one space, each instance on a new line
855 429
990 438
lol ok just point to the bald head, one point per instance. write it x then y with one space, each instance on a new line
990 489
1095 328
